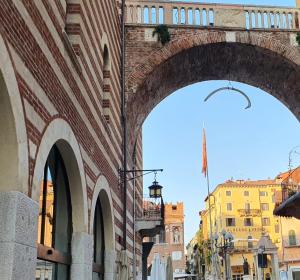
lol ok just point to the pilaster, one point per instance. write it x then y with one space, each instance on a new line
82 256
18 236
110 265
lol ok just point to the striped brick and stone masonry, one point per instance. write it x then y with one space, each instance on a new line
60 82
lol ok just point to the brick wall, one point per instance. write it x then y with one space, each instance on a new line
57 49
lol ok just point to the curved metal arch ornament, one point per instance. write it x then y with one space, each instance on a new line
231 89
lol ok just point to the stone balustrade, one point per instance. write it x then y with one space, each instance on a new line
211 15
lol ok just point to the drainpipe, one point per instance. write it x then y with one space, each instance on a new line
123 121
134 215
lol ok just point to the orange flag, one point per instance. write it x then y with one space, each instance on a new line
204 154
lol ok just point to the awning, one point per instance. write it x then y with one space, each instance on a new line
290 207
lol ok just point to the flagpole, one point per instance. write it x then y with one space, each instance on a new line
205 169
211 229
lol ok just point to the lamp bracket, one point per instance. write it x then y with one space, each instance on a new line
134 171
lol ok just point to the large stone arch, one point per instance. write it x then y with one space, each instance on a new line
253 58
13 139
60 133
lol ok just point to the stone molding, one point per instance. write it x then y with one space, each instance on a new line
59 132
20 181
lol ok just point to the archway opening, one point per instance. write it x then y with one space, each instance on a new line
253 67
103 230
245 63
99 243
250 145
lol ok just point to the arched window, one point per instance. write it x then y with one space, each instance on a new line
99 243
250 242
292 238
105 58
55 221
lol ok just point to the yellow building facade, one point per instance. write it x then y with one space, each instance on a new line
245 209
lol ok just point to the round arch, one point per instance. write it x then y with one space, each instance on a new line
14 170
102 191
60 133
250 58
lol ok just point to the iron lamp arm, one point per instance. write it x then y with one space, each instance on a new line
232 89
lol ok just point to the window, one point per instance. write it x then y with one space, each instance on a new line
55 221
264 207
229 206
230 222
273 198
277 229
265 221
292 238
246 193
228 193
250 242
263 193
98 267
248 222
162 236
247 206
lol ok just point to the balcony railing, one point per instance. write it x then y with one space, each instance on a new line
151 220
153 209
249 212
241 249
211 15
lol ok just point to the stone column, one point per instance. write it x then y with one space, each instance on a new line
110 265
275 266
18 236
82 256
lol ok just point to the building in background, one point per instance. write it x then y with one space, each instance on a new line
287 209
245 209
171 241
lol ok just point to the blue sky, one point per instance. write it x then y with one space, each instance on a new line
241 144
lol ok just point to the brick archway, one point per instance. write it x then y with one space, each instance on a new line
256 59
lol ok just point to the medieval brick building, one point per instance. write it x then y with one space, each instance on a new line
170 242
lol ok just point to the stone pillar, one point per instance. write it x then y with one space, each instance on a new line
82 256
228 265
18 236
110 265
275 266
